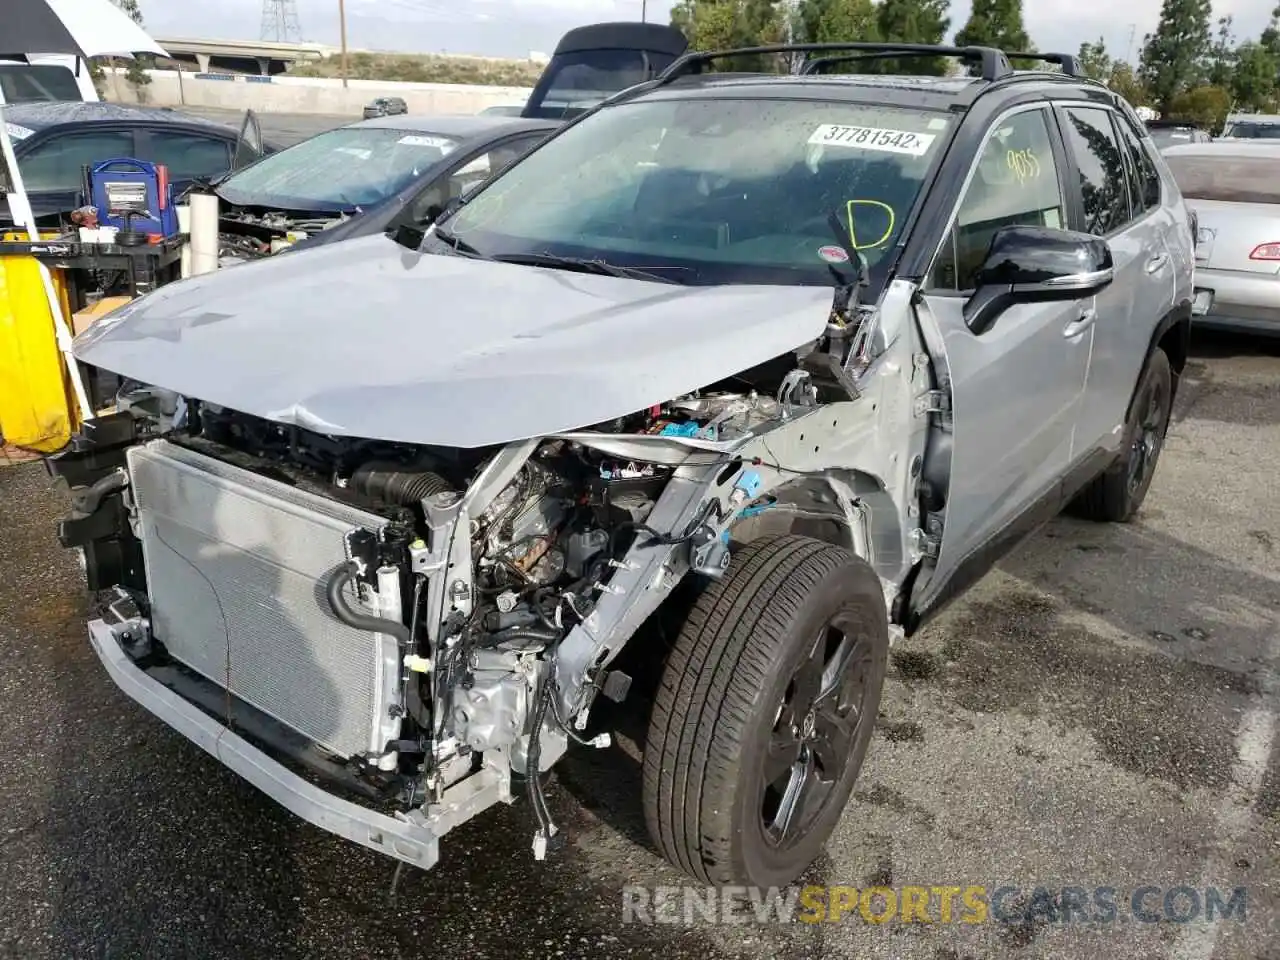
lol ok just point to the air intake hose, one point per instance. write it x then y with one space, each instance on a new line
355 619
393 483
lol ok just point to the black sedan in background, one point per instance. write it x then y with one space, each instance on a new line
54 141
365 178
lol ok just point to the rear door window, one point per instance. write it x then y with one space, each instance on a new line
1103 187
1233 179
57 164
1144 180
1145 163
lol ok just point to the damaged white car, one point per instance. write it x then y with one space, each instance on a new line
784 360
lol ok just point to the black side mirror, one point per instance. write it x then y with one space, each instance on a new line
1036 265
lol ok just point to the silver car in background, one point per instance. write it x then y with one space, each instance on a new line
1233 191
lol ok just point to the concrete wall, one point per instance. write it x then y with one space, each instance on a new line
307 94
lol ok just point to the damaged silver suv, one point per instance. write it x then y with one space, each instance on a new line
785 361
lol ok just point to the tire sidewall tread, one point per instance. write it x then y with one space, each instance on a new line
1107 498
737 646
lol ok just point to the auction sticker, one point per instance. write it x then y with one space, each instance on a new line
439 143
873 138
833 254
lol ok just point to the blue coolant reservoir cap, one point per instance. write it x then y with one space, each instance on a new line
749 483
689 429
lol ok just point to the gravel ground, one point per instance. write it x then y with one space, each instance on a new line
1099 712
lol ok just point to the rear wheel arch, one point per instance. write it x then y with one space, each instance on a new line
1172 335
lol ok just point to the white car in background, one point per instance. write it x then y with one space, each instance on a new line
47 77
1251 126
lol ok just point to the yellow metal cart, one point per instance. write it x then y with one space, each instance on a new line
38 412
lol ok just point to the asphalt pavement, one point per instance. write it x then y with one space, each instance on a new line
1099 712
282 129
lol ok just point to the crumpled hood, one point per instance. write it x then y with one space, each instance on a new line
368 339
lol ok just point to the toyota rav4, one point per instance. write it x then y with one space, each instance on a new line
783 361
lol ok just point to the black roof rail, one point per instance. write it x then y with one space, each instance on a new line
812 67
995 65
1069 62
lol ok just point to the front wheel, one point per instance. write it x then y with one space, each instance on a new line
765 712
1116 495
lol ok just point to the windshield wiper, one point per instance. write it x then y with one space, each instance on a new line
459 245
582 265
849 284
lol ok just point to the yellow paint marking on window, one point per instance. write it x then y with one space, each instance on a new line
1023 164
853 233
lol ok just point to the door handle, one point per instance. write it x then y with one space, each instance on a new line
1156 263
1082 323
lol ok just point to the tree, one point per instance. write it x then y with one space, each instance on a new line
1095 61
719 24
995 23
1222 55
1271 36
1205 106
834 21
1253 81
136 73
914 21
1173 57
707 24
1125 82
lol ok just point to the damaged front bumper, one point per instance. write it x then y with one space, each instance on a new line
413 837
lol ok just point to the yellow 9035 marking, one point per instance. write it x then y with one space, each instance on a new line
853 233
1023 164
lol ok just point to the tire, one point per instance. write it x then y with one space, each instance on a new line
1116 495
722 703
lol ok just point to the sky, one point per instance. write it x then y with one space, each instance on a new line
515 28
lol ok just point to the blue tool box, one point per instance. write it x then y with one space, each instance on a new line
125 185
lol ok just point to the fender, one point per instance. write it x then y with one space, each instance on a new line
1174 333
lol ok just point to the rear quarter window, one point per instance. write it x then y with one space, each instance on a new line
1230 179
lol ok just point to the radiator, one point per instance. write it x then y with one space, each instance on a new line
236 565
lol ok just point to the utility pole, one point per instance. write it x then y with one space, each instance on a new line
342 27
1128 50
644 11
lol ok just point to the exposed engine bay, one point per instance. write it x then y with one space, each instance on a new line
468 600
425 628
251 233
